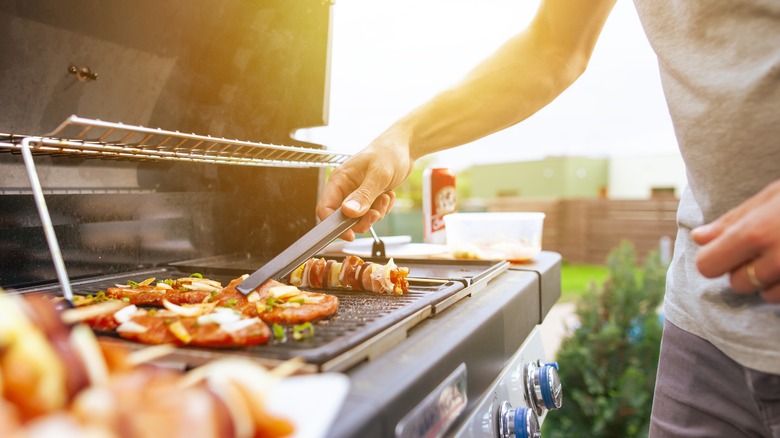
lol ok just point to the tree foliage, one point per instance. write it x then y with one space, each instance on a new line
608 365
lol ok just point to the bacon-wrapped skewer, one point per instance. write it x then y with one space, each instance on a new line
353 273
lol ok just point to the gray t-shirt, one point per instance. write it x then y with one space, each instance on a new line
720 70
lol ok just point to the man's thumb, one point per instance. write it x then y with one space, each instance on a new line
359 201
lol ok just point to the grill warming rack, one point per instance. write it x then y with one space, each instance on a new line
96 138
100 139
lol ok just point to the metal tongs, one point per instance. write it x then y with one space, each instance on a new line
311 243
377 246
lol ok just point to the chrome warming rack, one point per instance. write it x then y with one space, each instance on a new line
78 136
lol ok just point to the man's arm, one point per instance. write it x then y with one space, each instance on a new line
520 78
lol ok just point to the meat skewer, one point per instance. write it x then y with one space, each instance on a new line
353 273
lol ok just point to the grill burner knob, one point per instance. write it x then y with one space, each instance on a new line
542 386
517 423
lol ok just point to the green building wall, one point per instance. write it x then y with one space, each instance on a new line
562 177
556 177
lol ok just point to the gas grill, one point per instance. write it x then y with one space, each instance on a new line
106 196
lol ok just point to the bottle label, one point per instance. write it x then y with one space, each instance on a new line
439 200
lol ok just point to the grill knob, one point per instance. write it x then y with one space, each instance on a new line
542 386
518 422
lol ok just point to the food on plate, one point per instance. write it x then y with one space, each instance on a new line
513 251
352 273
115 391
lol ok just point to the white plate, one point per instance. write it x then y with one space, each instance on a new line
404 250
365 243
311 402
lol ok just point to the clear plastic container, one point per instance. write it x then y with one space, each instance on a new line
516 237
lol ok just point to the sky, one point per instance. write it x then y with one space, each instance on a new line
389 57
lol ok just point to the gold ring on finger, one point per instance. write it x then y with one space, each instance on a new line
751 273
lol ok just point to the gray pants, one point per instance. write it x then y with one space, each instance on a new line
700 392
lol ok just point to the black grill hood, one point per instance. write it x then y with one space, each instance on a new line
251 70
247 70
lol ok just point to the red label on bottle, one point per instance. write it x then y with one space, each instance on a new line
441 200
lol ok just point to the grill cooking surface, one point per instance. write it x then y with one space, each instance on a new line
342 340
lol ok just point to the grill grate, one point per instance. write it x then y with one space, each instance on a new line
361 317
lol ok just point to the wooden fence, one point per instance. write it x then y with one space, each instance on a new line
585 230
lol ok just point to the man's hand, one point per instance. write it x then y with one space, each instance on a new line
745 242
363 186
518 79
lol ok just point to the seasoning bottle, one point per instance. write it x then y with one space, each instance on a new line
438 200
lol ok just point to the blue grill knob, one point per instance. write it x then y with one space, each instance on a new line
542 386
518 422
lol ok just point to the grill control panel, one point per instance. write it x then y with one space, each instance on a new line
520 397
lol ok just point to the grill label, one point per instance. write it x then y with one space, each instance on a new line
438 410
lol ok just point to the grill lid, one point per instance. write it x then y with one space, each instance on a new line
152 63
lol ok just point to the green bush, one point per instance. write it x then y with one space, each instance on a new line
608 365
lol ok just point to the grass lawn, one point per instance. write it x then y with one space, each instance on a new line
576 279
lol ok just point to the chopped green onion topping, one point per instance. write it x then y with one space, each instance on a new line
303 331
169 281
132 284
299 300
196 275
126 299
279 332
272 302
231 302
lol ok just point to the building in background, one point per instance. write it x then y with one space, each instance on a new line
559 177
578 178
646 177
591 203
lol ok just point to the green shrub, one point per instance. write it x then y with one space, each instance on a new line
608 365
